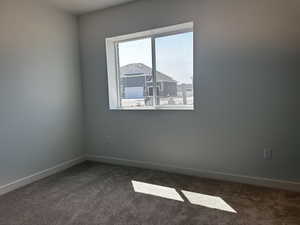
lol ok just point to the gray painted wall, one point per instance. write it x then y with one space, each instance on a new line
246 76
40 89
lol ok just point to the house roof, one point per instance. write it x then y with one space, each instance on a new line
135 69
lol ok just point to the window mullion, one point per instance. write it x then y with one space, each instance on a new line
154 93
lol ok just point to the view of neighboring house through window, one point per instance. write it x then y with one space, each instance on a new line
135 73
153 71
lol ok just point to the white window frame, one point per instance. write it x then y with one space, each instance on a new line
113 72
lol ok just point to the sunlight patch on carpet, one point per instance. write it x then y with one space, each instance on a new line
209 201
156 190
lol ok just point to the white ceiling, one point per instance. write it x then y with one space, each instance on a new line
83 6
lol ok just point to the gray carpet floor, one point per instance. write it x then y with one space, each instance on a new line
95 194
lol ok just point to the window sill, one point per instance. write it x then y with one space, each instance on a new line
163 108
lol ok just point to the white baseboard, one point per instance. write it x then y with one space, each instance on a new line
267 182
40 175
259 181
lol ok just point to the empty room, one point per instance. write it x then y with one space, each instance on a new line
149 112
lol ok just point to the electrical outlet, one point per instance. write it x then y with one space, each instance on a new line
268 153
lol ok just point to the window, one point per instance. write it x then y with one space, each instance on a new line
152 69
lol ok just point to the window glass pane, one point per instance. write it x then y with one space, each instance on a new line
135 60
174 70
